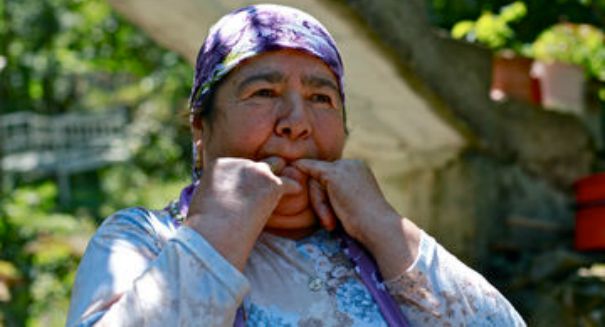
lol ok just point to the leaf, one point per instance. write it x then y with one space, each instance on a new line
5 295
462 29
513 12
48 251
8 272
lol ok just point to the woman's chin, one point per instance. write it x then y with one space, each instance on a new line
293 204
304 219
293 212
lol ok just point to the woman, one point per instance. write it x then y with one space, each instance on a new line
277 229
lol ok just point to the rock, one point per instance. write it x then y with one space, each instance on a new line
556 263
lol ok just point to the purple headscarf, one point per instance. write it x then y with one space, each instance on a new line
250 31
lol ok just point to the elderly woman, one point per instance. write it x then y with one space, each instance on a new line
277 229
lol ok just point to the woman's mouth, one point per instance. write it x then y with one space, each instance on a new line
293 204
296 175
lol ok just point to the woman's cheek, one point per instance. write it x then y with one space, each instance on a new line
330 139
254 136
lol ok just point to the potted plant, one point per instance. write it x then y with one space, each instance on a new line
563 53
511 76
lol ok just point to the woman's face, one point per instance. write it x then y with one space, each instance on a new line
283 103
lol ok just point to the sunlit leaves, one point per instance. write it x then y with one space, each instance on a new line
55 47
78 55
492 29
540 13
513 12
42 247
581 44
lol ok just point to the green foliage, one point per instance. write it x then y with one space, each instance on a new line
127 185
534 29
575 299
492 30
41 249
582 296
77 55
575 44
519 22
58 52
42 244
541 14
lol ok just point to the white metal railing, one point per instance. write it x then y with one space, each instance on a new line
63 144
25 131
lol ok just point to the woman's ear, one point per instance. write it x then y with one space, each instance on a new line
197 131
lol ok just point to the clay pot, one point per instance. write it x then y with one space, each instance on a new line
561 85
511 78
590 213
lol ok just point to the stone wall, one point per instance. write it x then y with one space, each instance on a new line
510 189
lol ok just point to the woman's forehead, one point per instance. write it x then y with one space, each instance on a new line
277 66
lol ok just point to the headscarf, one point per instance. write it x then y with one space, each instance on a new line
250 31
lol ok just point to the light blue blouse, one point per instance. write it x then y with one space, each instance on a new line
143 269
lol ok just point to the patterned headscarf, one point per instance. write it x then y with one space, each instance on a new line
250 31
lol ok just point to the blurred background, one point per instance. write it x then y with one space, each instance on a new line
483 121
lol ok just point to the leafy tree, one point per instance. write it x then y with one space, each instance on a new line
565 30
576 44
491 29
541 14
60 56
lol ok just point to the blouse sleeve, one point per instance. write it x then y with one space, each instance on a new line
129 277
438 288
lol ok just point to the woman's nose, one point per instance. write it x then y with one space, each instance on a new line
293 121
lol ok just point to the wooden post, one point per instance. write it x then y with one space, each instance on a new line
4 34
64 187
3 185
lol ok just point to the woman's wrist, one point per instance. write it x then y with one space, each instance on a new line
394 244
232 240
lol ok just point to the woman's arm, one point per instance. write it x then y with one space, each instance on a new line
438 287
428 282
139 271
128 277
355 200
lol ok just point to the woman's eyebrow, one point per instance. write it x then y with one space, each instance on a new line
270 77
319 82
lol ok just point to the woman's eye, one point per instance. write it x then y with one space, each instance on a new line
264 93
321 98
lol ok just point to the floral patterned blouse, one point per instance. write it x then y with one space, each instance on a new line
142 269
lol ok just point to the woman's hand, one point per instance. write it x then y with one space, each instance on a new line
346 190
349 187
233 202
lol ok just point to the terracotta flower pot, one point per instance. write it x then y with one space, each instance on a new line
590 189
590 213
561 85
590 228
511 78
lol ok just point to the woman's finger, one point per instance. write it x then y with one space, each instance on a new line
289 186
317 169
276 164
321 205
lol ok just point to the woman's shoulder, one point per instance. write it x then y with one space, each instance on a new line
138 223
